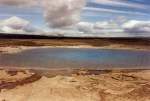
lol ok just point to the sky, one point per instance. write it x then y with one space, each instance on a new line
80 18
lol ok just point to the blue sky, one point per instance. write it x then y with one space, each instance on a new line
127 17
110 9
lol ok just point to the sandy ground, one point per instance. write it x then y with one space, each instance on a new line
82 86
16 49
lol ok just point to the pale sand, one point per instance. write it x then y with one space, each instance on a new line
12 49
112 86
17 49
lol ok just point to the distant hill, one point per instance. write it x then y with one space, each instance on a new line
25 36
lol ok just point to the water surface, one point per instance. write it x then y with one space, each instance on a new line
77 58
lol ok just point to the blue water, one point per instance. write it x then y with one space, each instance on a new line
77 58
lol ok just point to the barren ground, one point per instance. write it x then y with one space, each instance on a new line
143 44
29 85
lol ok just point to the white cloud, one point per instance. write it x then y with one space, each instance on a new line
85 27
15 22
130 28
105 29
7 29
60 13
106 25
17 25
98 10
134 26
19 2
120 3
98 27
57 13
65 32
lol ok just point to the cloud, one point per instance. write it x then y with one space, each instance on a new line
65 32
61 13
19 2
17 25
125 28
98 27
134 26
131 28
120 3
58 13
85 27
117 11
106 25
